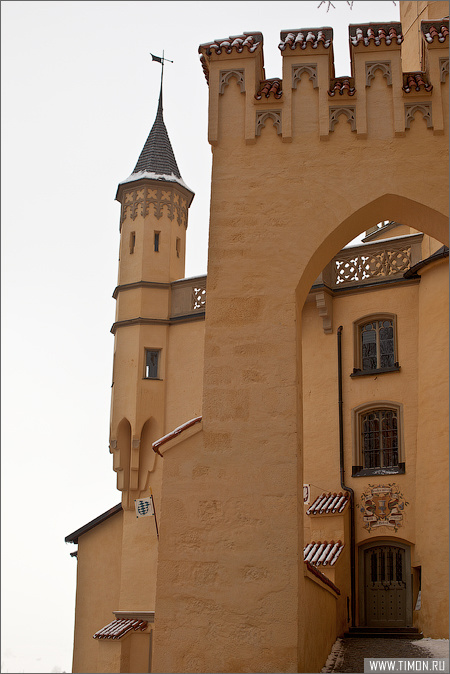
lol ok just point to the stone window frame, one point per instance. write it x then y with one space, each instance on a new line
357 325
358 469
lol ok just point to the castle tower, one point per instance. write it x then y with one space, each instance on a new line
154 215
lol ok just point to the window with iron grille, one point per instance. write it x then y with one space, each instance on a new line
377 439
376 349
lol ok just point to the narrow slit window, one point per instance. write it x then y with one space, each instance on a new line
156 242
132 242
178 246
152 363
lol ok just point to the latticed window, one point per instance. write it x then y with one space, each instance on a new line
377 344
379 438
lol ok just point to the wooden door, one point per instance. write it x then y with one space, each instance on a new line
387 586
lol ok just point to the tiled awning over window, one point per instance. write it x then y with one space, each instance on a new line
328 504
325 554
119 627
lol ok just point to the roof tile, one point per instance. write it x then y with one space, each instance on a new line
119 627
306 37
342 85
322 553
329 504
417 81
435 29
268 88
375 34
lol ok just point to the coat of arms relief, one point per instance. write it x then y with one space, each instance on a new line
382 506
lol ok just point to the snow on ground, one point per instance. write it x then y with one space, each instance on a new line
438 648
335 658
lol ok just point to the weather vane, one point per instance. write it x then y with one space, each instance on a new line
160 59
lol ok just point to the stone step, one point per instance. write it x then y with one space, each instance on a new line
384 633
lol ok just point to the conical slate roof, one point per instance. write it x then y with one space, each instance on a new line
157 155
157 160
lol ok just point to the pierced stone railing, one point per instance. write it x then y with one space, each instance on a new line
372 263
188 297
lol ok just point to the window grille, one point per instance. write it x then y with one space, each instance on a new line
380 439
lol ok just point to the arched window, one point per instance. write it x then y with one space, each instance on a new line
377 439
375 345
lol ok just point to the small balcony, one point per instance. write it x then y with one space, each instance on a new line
370 263
188 297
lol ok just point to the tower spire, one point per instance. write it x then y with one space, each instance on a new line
157 159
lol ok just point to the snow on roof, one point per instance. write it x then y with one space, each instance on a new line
157 444
172 178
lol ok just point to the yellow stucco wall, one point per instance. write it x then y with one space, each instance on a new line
98 586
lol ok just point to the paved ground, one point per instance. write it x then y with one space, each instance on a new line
348 653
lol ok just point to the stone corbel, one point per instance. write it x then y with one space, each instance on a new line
324 303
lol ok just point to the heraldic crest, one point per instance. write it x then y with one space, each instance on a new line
382 506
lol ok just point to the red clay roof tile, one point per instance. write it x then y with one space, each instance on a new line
119 627
375 34
268 87
249 41
342 85
324 554
306 37
417 81
328 504
435 29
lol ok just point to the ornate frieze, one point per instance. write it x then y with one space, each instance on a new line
263 115
443 68
309 68
373 66
138 202
348 111
226 75
424 108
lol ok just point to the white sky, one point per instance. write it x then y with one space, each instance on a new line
79 96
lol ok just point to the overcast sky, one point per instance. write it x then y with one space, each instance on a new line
79 96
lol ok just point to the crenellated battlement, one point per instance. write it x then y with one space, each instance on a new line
309 74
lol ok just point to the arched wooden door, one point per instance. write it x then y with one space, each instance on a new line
385 585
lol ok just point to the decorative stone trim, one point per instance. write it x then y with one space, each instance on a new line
226 75
298 70
263 115
412 108
443 68
357 266
373 66
137 202
348 110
